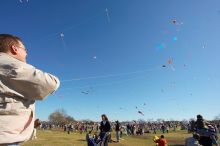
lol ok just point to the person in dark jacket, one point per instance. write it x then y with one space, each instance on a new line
105 128
201 123
202 128
117 130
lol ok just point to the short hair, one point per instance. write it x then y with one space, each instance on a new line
199 117
162 136
105 117
6 40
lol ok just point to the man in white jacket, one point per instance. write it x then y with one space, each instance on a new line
20 85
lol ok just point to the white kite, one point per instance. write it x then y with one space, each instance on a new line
107 14
62 35
62 39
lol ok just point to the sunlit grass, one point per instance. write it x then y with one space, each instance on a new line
60 138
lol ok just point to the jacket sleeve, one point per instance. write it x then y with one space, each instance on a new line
108 126
100 127
31 83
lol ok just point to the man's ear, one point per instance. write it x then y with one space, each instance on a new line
13 49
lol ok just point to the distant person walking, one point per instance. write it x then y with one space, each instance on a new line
117 130
163 128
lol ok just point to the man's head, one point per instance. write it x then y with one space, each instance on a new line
199 117
13 46
162 136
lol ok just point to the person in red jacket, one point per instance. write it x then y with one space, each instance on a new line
162 141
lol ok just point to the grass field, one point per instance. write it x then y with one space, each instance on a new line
60 138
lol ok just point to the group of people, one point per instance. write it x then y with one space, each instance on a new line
204 134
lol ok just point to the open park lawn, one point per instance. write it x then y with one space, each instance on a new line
60 138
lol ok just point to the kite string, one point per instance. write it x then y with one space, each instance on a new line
104 84
70 27
110 75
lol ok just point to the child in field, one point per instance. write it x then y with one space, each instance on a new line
36 124
93 139
161 141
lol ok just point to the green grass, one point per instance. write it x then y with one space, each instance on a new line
60 138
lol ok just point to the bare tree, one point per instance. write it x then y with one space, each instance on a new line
60 116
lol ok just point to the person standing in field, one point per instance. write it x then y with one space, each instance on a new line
20 85
36 125
105 128
117 130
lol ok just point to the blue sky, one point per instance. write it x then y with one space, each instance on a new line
117 55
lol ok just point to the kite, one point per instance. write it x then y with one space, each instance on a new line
62 35
175 22
170 62
62 38
160 47
174 39
85 92
141 113
99 60
21 1
107 14
204 46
